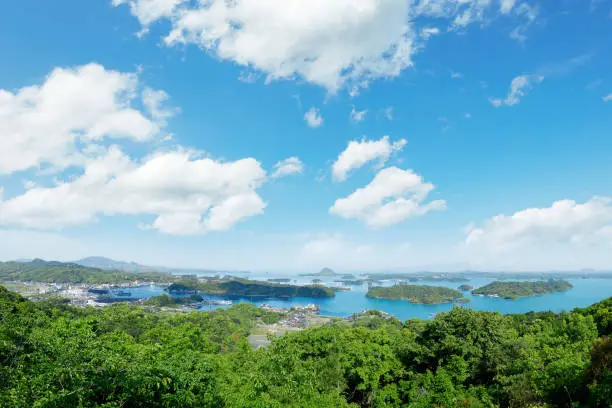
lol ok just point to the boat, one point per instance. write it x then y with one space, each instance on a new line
123 293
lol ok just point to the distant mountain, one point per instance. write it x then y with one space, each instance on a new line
324 272
101 262
111 264
327 272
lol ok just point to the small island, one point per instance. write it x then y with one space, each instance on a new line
517 290
249 289
465 288
417 294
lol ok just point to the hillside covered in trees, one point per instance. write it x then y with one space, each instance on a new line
516 290
39 270
54 355
420 294
234 287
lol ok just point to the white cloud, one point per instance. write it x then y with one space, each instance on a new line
506 6
334 44
248 77
392 197
43 124
388 113
607 98
186 194
359 153
564 221
358 116
455 75
155 101
519 87
149 11
313 118
287 167
528 15
429 31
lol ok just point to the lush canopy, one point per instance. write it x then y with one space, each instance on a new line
54 355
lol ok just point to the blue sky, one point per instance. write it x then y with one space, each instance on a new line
149 130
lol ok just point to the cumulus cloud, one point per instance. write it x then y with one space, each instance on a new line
564 221
358 116
334 44
607 98
359 153
186 194
313 118
149 11
392 197
43 124
288 167
519 87
76 121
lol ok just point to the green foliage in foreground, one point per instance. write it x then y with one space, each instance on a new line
421 294
250 289
516 290
54 355
60 272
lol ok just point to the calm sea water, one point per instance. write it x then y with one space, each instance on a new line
584 293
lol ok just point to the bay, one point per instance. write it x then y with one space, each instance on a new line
584 293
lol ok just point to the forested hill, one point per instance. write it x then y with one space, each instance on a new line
61 272
516 290
250 289
54 355
419 294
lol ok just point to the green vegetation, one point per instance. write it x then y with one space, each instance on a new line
420 294
355 282
249 289
169 301
60 272
465 287
516 290
55 355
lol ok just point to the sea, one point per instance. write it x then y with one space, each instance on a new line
584 293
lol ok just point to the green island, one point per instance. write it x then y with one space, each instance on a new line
418 294
60 272
249 289
56 355
355 282
465 287
520 289
164 300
